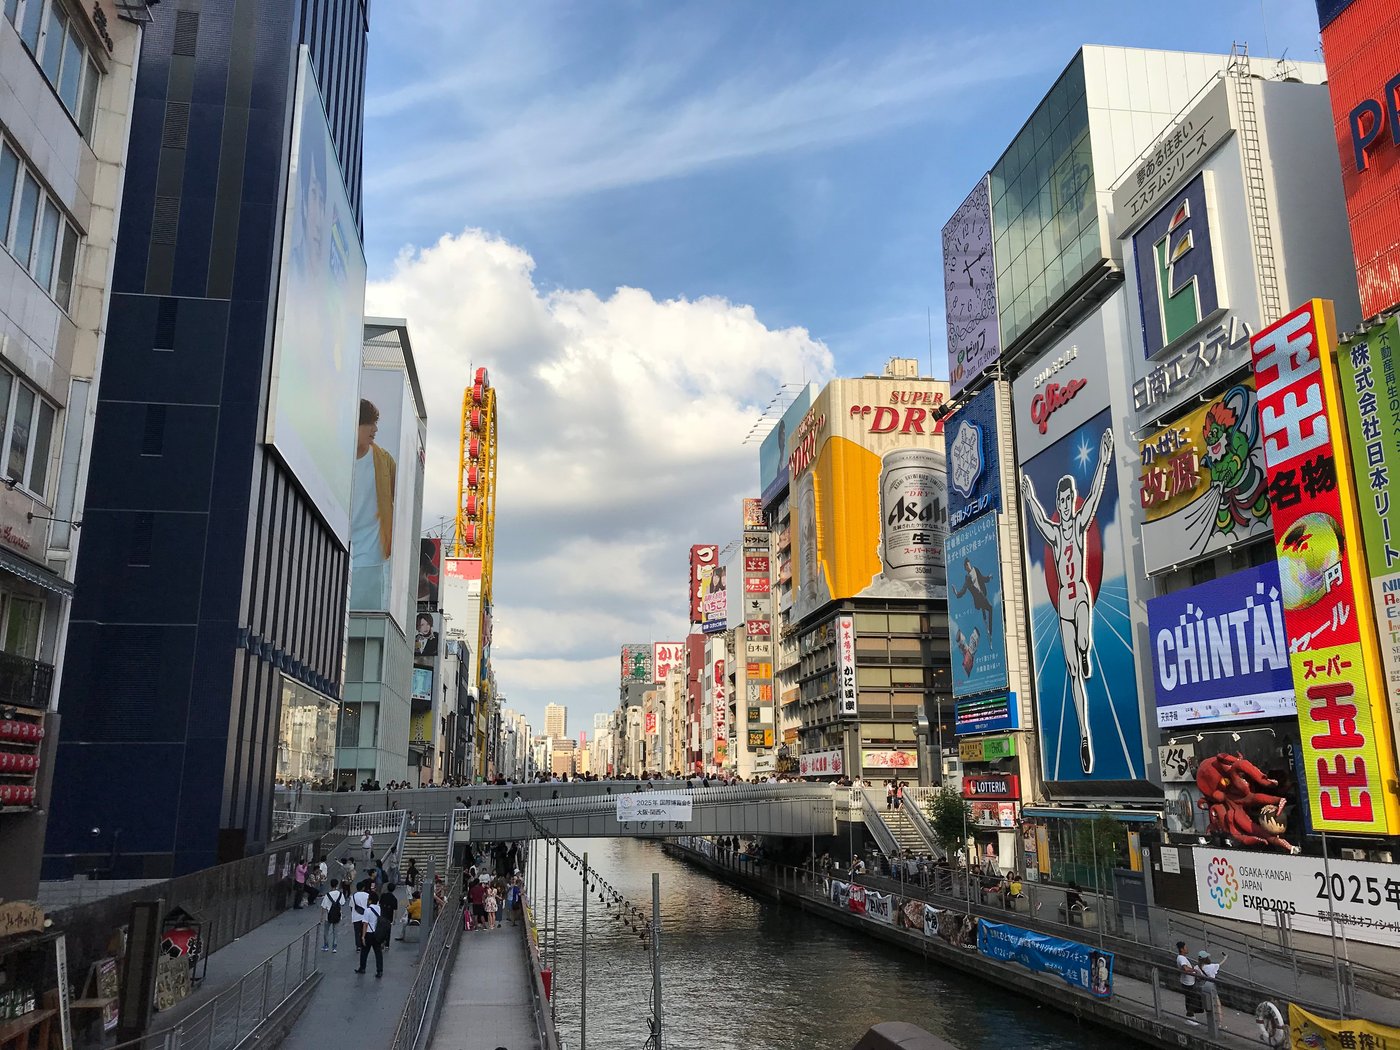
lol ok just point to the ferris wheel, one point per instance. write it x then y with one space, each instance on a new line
476 482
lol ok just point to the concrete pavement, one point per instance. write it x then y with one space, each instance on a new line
487 1004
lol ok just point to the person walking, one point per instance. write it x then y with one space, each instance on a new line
370 940
898 794
1187 974
388 905
347 873
513 898
367 844
492 904
411 876
889 794
333 904
1210 993
477 896
299 877
359 901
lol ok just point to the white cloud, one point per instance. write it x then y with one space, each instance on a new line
621 422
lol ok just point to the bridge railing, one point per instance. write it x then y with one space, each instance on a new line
546 809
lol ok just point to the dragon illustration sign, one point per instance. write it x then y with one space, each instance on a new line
1202 483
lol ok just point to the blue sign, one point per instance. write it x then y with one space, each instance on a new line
423 683
1175 262
1219 651
976 626
1089 717
986 714
773 453
974 468
1076 964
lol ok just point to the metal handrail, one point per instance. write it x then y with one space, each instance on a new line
914 813
876 823
231 1017
414 1023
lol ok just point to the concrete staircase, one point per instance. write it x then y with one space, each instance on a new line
423 845
904 831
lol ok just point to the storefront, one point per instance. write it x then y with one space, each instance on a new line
995 801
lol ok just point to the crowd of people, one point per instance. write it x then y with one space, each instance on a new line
724 779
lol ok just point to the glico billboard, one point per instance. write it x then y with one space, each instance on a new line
869 493
1362 42
1340 690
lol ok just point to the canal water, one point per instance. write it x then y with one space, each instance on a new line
744 974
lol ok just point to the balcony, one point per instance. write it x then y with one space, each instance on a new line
26 683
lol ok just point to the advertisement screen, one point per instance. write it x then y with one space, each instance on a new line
773 453
714 601
381 499
703 558
970 289
1089 716
429 571
636 662
976 627
1368 364
1203 485
320 317
870 500
974 465
1326 598
1220 651
427 638
1361 44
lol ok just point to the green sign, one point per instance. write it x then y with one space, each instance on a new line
987 748
1368 367
1371 392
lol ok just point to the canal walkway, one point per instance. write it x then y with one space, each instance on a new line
488 1003
1145 1009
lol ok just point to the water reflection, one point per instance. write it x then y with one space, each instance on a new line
739 974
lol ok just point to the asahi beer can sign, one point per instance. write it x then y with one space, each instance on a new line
914 517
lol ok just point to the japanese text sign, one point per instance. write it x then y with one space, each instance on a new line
666 657
1332 644
846 702
1368 366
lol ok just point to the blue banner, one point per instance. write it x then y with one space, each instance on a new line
1077 964
976 624
974 471
1219 651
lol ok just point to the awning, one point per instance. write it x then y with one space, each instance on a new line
27 570
1126 815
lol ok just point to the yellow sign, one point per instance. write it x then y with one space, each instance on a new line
1310 1032
870 501
420 728
20 917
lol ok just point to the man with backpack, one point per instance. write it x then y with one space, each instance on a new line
372 937
332 904
359 902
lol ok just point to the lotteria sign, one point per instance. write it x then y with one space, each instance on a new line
1339 689
991 785
1220 651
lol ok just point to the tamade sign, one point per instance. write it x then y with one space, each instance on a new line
1336 667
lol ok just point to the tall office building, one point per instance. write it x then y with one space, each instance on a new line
556 721
66 72
211 588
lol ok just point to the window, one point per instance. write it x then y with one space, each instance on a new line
43 436
40 238
67 263
51 60
48 244
22 619
26 423
55 42
355 660
9 172
24 228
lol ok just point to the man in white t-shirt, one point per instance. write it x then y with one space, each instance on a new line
1187 973
370 939
359 902
331 925
367 844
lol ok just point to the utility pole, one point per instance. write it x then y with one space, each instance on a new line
583 967
656 954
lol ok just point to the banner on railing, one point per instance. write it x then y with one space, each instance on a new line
653 805
1324 1033
1077 964
857 900
839 892
880 907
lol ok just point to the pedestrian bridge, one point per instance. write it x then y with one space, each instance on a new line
798 810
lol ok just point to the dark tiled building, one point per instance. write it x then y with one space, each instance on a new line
210 580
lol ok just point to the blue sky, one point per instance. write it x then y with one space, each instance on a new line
774 172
